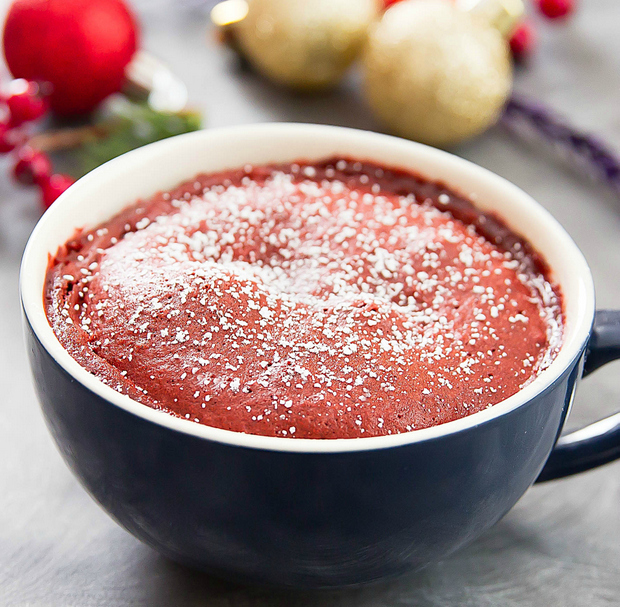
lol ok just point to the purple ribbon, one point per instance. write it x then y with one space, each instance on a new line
530 119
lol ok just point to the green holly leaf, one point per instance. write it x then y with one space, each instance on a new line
120 126
127 125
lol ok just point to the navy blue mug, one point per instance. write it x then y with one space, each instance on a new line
300 512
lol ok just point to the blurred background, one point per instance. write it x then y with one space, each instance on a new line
558 140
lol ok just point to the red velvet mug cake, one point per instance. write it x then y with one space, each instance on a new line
329 299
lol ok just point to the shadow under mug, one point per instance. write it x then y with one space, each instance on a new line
296 512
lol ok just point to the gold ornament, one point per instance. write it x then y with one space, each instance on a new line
435 73
304 44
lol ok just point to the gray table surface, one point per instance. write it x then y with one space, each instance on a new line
560 545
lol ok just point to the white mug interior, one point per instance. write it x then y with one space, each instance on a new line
160 166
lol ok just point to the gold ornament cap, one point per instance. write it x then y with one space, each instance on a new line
503 15
229 12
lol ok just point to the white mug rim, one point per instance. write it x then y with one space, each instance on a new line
32 294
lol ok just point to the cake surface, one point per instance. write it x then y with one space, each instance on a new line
334 299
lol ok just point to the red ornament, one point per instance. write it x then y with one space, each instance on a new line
53 187
556 9
24 102
522 41
81 47
32 167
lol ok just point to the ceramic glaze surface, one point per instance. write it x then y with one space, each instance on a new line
309 513
303 520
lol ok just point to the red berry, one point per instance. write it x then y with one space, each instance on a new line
32 167
53 187
81 47
523 40
24 102
9 138
556 9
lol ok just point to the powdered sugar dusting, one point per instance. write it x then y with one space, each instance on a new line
290 301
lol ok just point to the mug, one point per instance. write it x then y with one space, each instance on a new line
299 512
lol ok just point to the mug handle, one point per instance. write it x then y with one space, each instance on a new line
598 443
